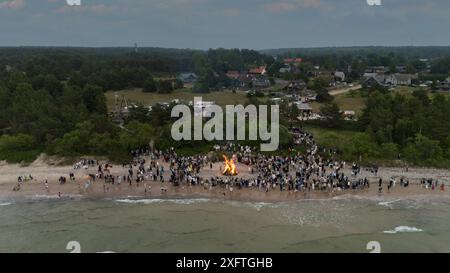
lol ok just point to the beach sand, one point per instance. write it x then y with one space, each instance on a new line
41 171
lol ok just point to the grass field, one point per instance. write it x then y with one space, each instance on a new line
320 134
348 101
356 102
137 96
351 101
408 90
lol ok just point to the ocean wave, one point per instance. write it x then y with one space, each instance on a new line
407 201
402 229
5 204
259 206
346 197
388 203
158 201
44 197
256 205
54 197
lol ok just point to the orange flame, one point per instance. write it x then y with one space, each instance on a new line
230 167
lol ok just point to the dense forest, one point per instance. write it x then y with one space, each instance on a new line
414 128
409 52
53 101
359 58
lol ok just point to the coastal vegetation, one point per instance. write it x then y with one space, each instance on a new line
58 100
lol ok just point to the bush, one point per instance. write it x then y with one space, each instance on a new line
20 142
332 114
424 151
150 86
178 84
18 148
361 146
200 87
255 93
164 87
389 151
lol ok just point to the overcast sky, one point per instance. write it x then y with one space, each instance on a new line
202 24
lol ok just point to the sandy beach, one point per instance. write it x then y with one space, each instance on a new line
40 170
120 218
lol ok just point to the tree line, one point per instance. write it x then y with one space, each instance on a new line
53 99
410 127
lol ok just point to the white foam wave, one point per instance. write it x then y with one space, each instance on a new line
346 197
257 205
53 197
43 197
5 204
157 201
402 229
388 203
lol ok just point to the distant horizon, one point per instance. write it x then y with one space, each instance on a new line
227 48
203 24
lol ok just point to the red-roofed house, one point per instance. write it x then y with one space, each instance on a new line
260 70
295 61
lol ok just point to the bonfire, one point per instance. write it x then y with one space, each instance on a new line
230 167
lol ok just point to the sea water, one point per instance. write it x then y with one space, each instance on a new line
343 224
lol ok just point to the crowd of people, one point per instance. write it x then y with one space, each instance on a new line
85 164
432 184
314 169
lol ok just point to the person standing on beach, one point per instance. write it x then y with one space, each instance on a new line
391 183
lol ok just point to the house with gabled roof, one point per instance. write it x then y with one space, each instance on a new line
260 70
400 79
339 76
187 78
373 80
445 85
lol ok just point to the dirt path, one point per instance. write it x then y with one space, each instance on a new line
341 91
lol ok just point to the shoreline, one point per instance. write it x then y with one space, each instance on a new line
41 171
383 199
